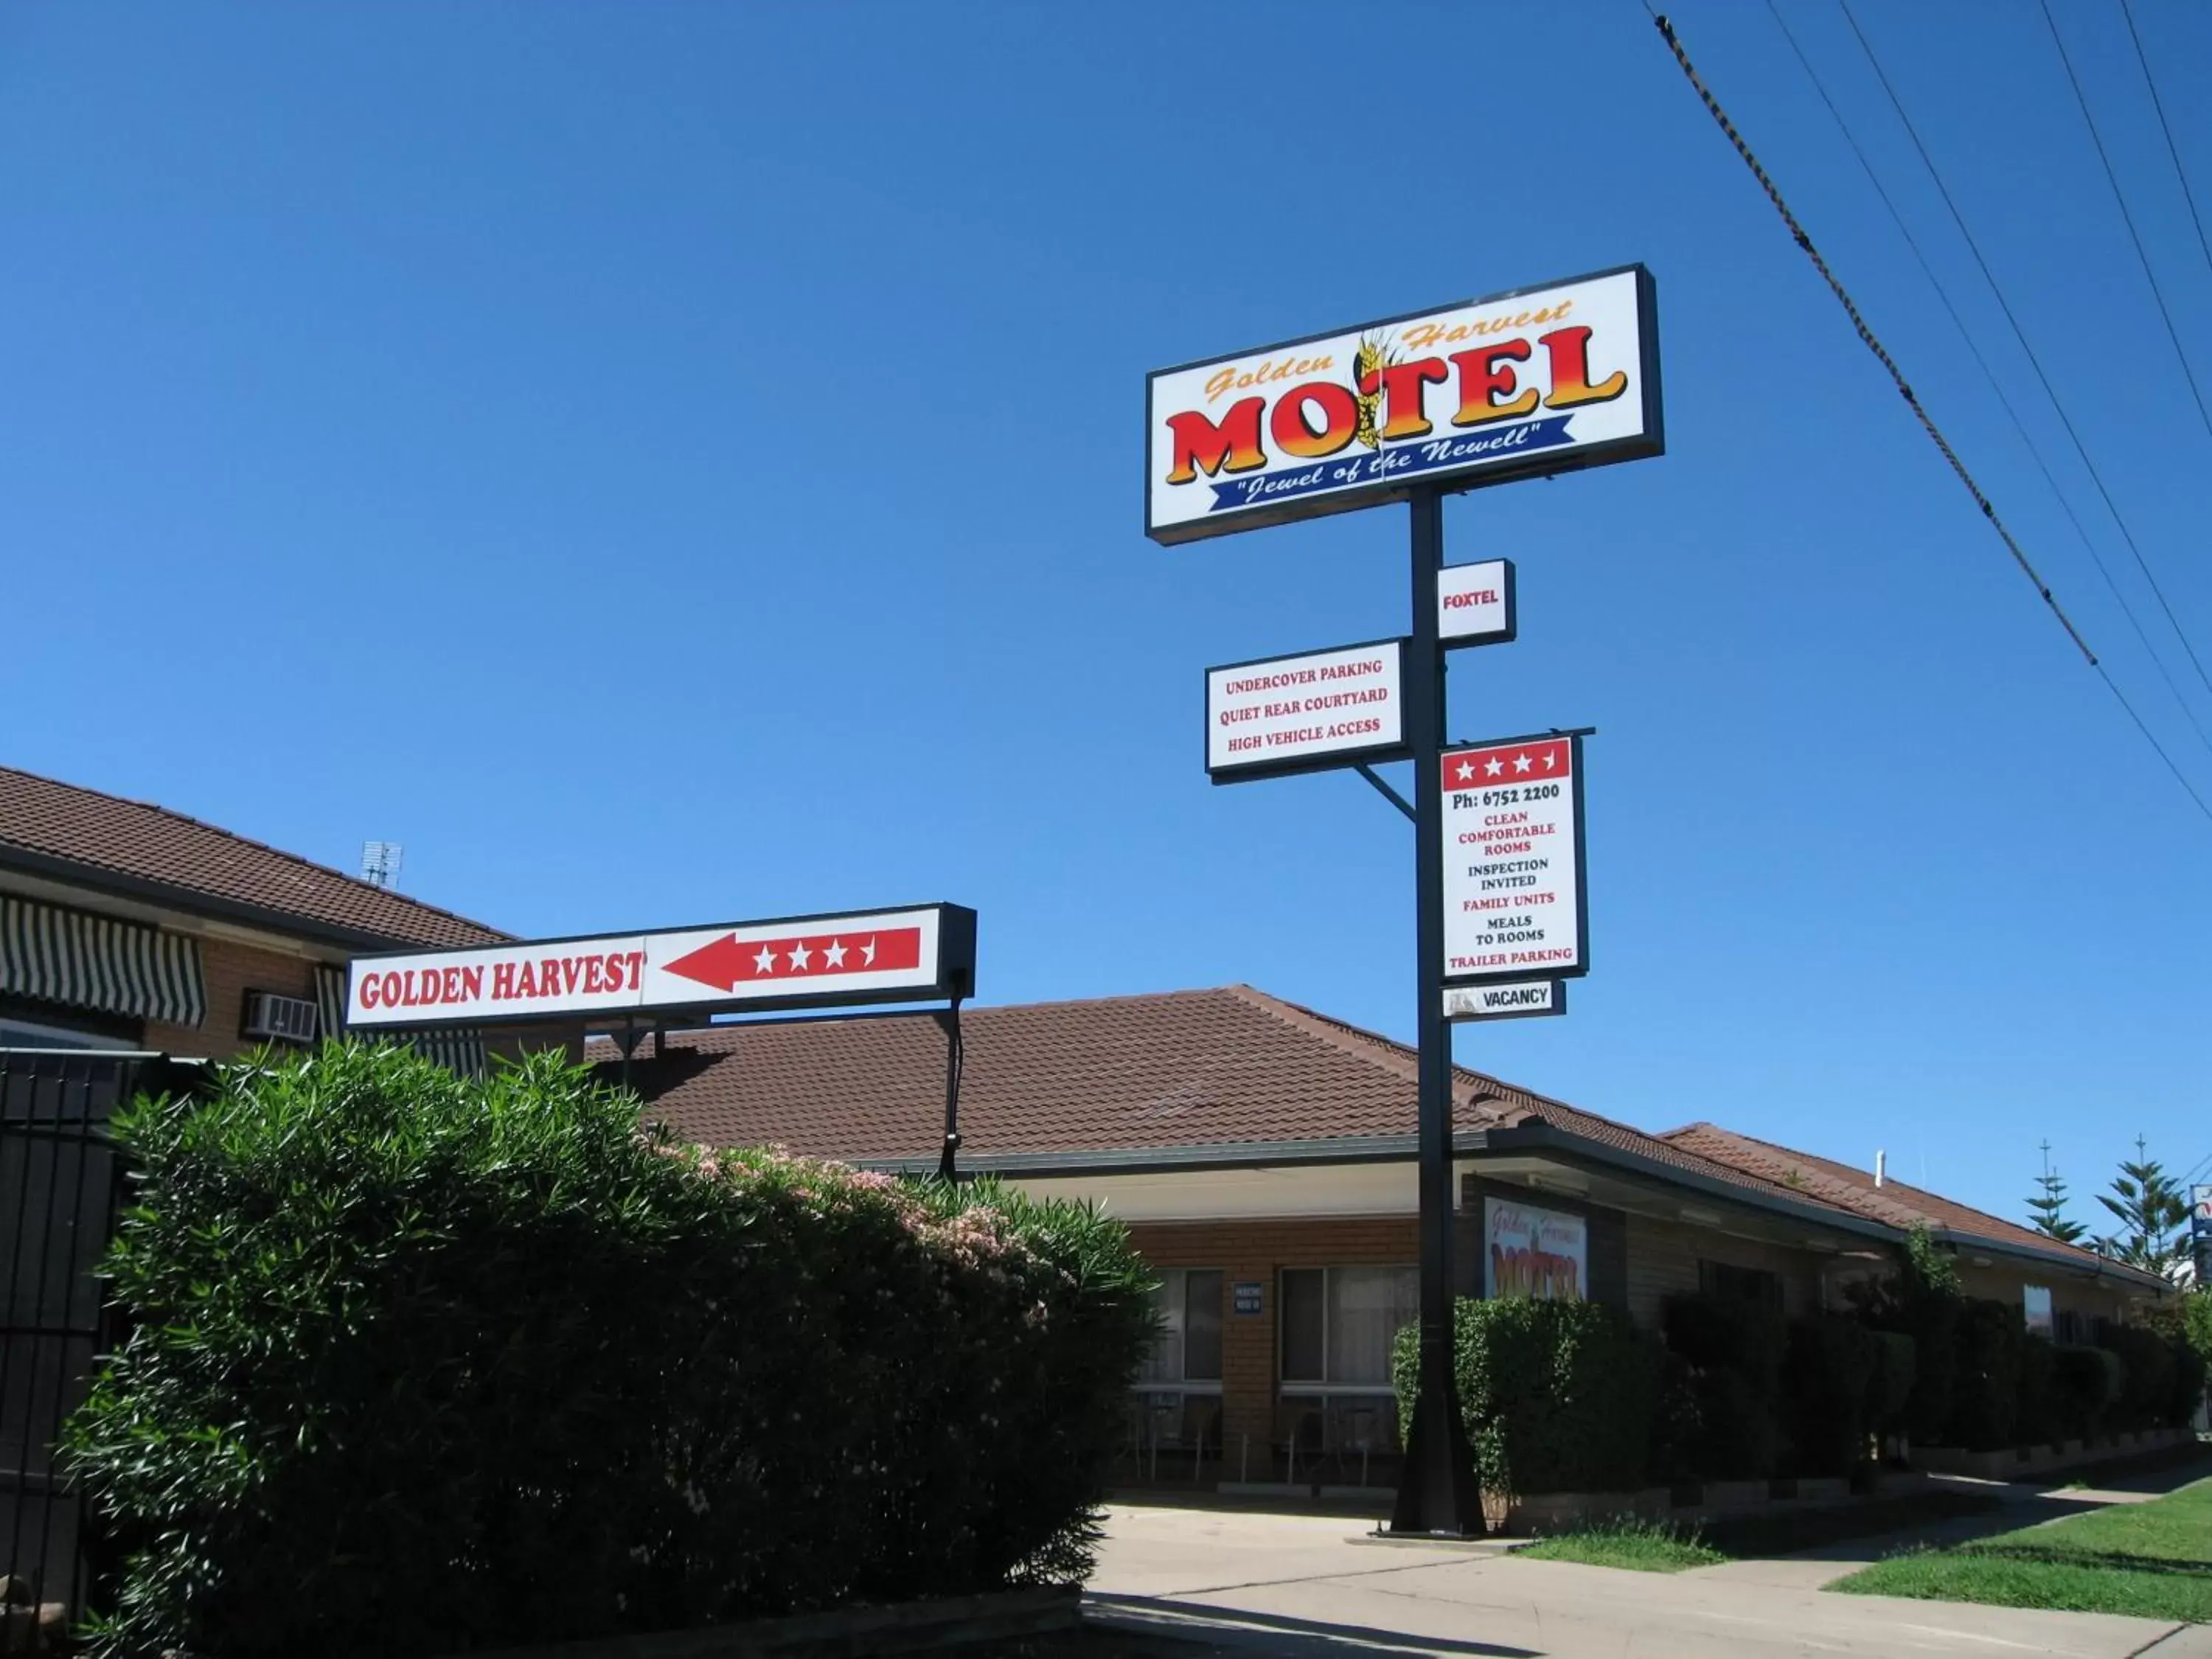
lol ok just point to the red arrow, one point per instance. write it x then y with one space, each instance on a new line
721 964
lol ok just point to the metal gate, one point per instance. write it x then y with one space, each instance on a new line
59 1190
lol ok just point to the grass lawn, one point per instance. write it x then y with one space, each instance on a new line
1640 1546
1657 1546
2153 1560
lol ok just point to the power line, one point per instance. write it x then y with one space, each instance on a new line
2127 218
2171 148
1990 374
2020 335
1904 389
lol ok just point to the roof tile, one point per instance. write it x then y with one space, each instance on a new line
107 833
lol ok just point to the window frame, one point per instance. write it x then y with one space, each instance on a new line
1285 1384
1175 1294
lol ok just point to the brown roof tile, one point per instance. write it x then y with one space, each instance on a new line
135 839
1179 1069
1896 1202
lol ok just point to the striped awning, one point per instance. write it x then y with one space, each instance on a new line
85 961
459 1051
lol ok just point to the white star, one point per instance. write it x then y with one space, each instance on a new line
1466 770
800 956
765 962
1551 758
1520 763
1493 767
868 953
834 955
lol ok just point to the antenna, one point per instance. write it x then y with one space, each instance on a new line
379 861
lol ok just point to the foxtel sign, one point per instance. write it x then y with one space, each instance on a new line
793 962
1544 379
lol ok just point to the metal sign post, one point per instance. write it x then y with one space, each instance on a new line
1522 385
1436 1492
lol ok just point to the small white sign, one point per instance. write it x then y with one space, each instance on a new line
805 960
1474 602
1509 999
2201 1208
1513 859
1295 713
1535 1253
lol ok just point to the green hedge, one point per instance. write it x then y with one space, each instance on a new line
1729 1403
1557 1396
421 1365
1986 1391
1829 1382
2086 1384
2147 1376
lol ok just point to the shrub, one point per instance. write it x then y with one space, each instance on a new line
1921 1300
1826 1384
1734 1350
2186 1323
1985 1403
2037 1422
1889 1388
1557 1396
2146 1376
2085 1386
420 1364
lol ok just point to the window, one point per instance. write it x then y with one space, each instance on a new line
1189 1302
17 1033
1728 1283
1338 1323
2035 1305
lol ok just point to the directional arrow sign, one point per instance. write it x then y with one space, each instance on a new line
797 962
729 962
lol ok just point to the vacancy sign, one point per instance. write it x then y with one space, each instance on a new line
1474 604
875 956
1513 861
1509 999
1544 379
1285 714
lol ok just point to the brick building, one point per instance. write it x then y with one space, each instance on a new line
125 925
1264 1158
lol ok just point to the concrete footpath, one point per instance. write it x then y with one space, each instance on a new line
1309 1587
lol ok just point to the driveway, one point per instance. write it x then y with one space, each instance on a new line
1309 1587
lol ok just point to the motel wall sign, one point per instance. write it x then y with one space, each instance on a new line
909 955
1540 381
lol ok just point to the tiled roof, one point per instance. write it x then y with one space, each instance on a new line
135 839
1180 1069
1895 1202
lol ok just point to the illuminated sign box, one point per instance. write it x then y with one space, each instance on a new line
1540 381
841 959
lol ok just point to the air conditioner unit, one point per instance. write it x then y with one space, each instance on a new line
287 1019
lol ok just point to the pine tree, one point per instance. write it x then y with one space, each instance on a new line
2150 1207
2049 1210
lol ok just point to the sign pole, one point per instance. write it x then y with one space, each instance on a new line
1436 1491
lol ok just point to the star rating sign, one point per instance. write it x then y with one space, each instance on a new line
1493 767
727 961
1520 763
1466 771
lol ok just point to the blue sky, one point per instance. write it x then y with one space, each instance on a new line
406 431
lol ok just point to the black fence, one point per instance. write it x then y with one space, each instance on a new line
59 1190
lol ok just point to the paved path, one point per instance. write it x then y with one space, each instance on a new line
1306 1586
